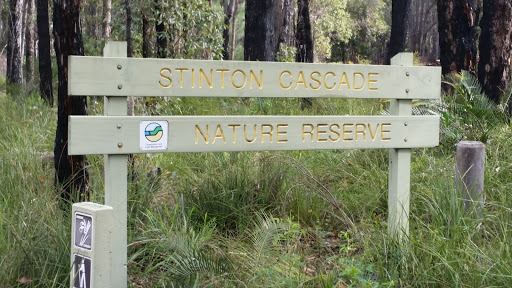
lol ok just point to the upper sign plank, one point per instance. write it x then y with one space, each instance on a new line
201 78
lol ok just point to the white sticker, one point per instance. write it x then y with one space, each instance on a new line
153 135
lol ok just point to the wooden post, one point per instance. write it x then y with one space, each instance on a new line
469 174
399 165
116 183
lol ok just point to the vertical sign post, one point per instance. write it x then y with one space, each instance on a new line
116 171
91 246
400 164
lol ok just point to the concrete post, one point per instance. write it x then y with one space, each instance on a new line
469 175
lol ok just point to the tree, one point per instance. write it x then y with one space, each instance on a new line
43 48
495 48
14 42
29 41
399 19
259 30
304 41
161 36
457 35
229 11
128 28
71 171
107 18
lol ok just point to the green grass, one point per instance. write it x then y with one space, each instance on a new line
262 219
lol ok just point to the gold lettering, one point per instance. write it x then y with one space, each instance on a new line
193 84
346 131
233 79
337 133
304 132
281 80
165 77
181 75
320 132
373 134
325 81
219 134
372 81
363 82
382 131
234 131
315 80
222 71
209 81
245 134
205 138
299 81
362 132
344 81
269 133
260 83
281 133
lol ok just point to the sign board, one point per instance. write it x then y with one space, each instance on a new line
83 231
82 271
123 134
180 77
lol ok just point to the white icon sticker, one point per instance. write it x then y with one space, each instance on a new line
153 135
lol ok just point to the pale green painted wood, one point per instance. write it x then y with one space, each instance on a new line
100 253
116 185
148 77
121 135
400 166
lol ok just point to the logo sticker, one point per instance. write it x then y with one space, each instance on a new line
153 135
83 231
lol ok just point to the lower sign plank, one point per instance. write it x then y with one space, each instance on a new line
129 134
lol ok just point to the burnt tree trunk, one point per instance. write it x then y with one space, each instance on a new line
495 42
457 35
146 32
284 31
71 171
14 75
304 41
259 30
161 37
399 19
128 28
43 48
229 10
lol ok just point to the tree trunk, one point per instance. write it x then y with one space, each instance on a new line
14 42
71 171
399 19
229 10
107 18
146 32
161 37
29 42
304 41
233 31
128 28
259 30
495 45
284 31
457 35
45 60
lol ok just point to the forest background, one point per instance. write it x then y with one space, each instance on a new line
300 218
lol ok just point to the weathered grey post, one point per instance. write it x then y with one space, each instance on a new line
400 163
116 171
469 174
91 246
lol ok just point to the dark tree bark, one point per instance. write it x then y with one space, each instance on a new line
14 45
45 60
284 30
128 28
495 47
233 31
29 42
229 10
399 19
161 37
71 171
259 30
304 41
457 35
146 32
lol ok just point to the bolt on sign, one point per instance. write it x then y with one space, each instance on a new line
116 135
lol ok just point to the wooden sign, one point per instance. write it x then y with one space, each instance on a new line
186 78
127 135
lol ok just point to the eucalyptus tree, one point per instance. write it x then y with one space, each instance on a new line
259 30
495 48
14 75
304 41
43 48
399 19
